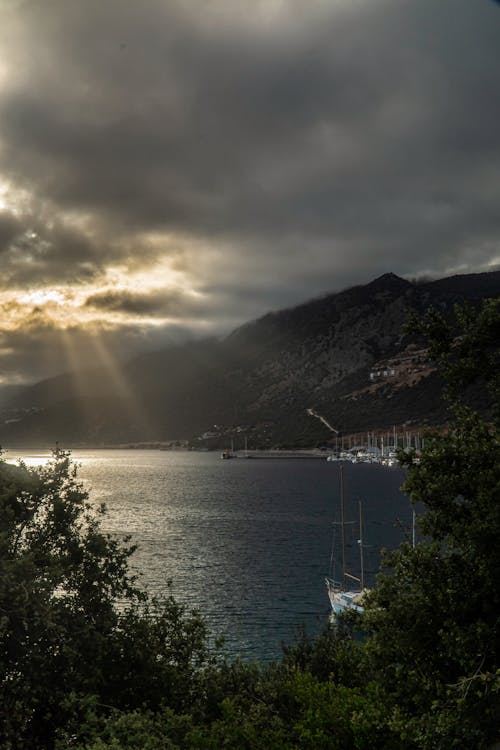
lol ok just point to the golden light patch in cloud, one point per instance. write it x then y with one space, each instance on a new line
54 306
65 306
43 296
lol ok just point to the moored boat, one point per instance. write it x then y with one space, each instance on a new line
343 601
228 452
343 596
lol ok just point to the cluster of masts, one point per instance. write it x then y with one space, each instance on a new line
361 455
371 447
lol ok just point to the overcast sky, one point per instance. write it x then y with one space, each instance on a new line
177 167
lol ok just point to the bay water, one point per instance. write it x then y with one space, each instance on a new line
246 542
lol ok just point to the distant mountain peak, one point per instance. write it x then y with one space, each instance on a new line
389 277
389 281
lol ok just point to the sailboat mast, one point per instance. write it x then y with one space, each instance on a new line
361 551
342 526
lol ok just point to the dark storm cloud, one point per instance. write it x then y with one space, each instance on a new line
141 303
307 145
212 304
157 116
190 127
38 249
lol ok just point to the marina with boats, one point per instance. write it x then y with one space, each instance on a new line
357 454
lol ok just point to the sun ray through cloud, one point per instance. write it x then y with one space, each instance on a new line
123 390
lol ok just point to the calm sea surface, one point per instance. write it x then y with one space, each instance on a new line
247 542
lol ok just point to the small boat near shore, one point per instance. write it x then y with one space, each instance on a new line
228 453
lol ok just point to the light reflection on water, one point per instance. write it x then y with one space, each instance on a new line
30 459
247 543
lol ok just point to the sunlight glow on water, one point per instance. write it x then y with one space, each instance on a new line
30 459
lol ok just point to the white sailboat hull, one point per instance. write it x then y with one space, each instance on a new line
344 601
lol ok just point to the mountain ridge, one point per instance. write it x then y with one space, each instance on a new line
262 377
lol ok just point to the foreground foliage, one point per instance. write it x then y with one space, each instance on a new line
63 639
88 662
435 620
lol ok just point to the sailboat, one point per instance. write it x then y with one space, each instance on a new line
346 596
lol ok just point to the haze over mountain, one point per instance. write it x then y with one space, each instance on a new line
344 354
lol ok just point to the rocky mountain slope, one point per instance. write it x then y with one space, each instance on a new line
344 354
